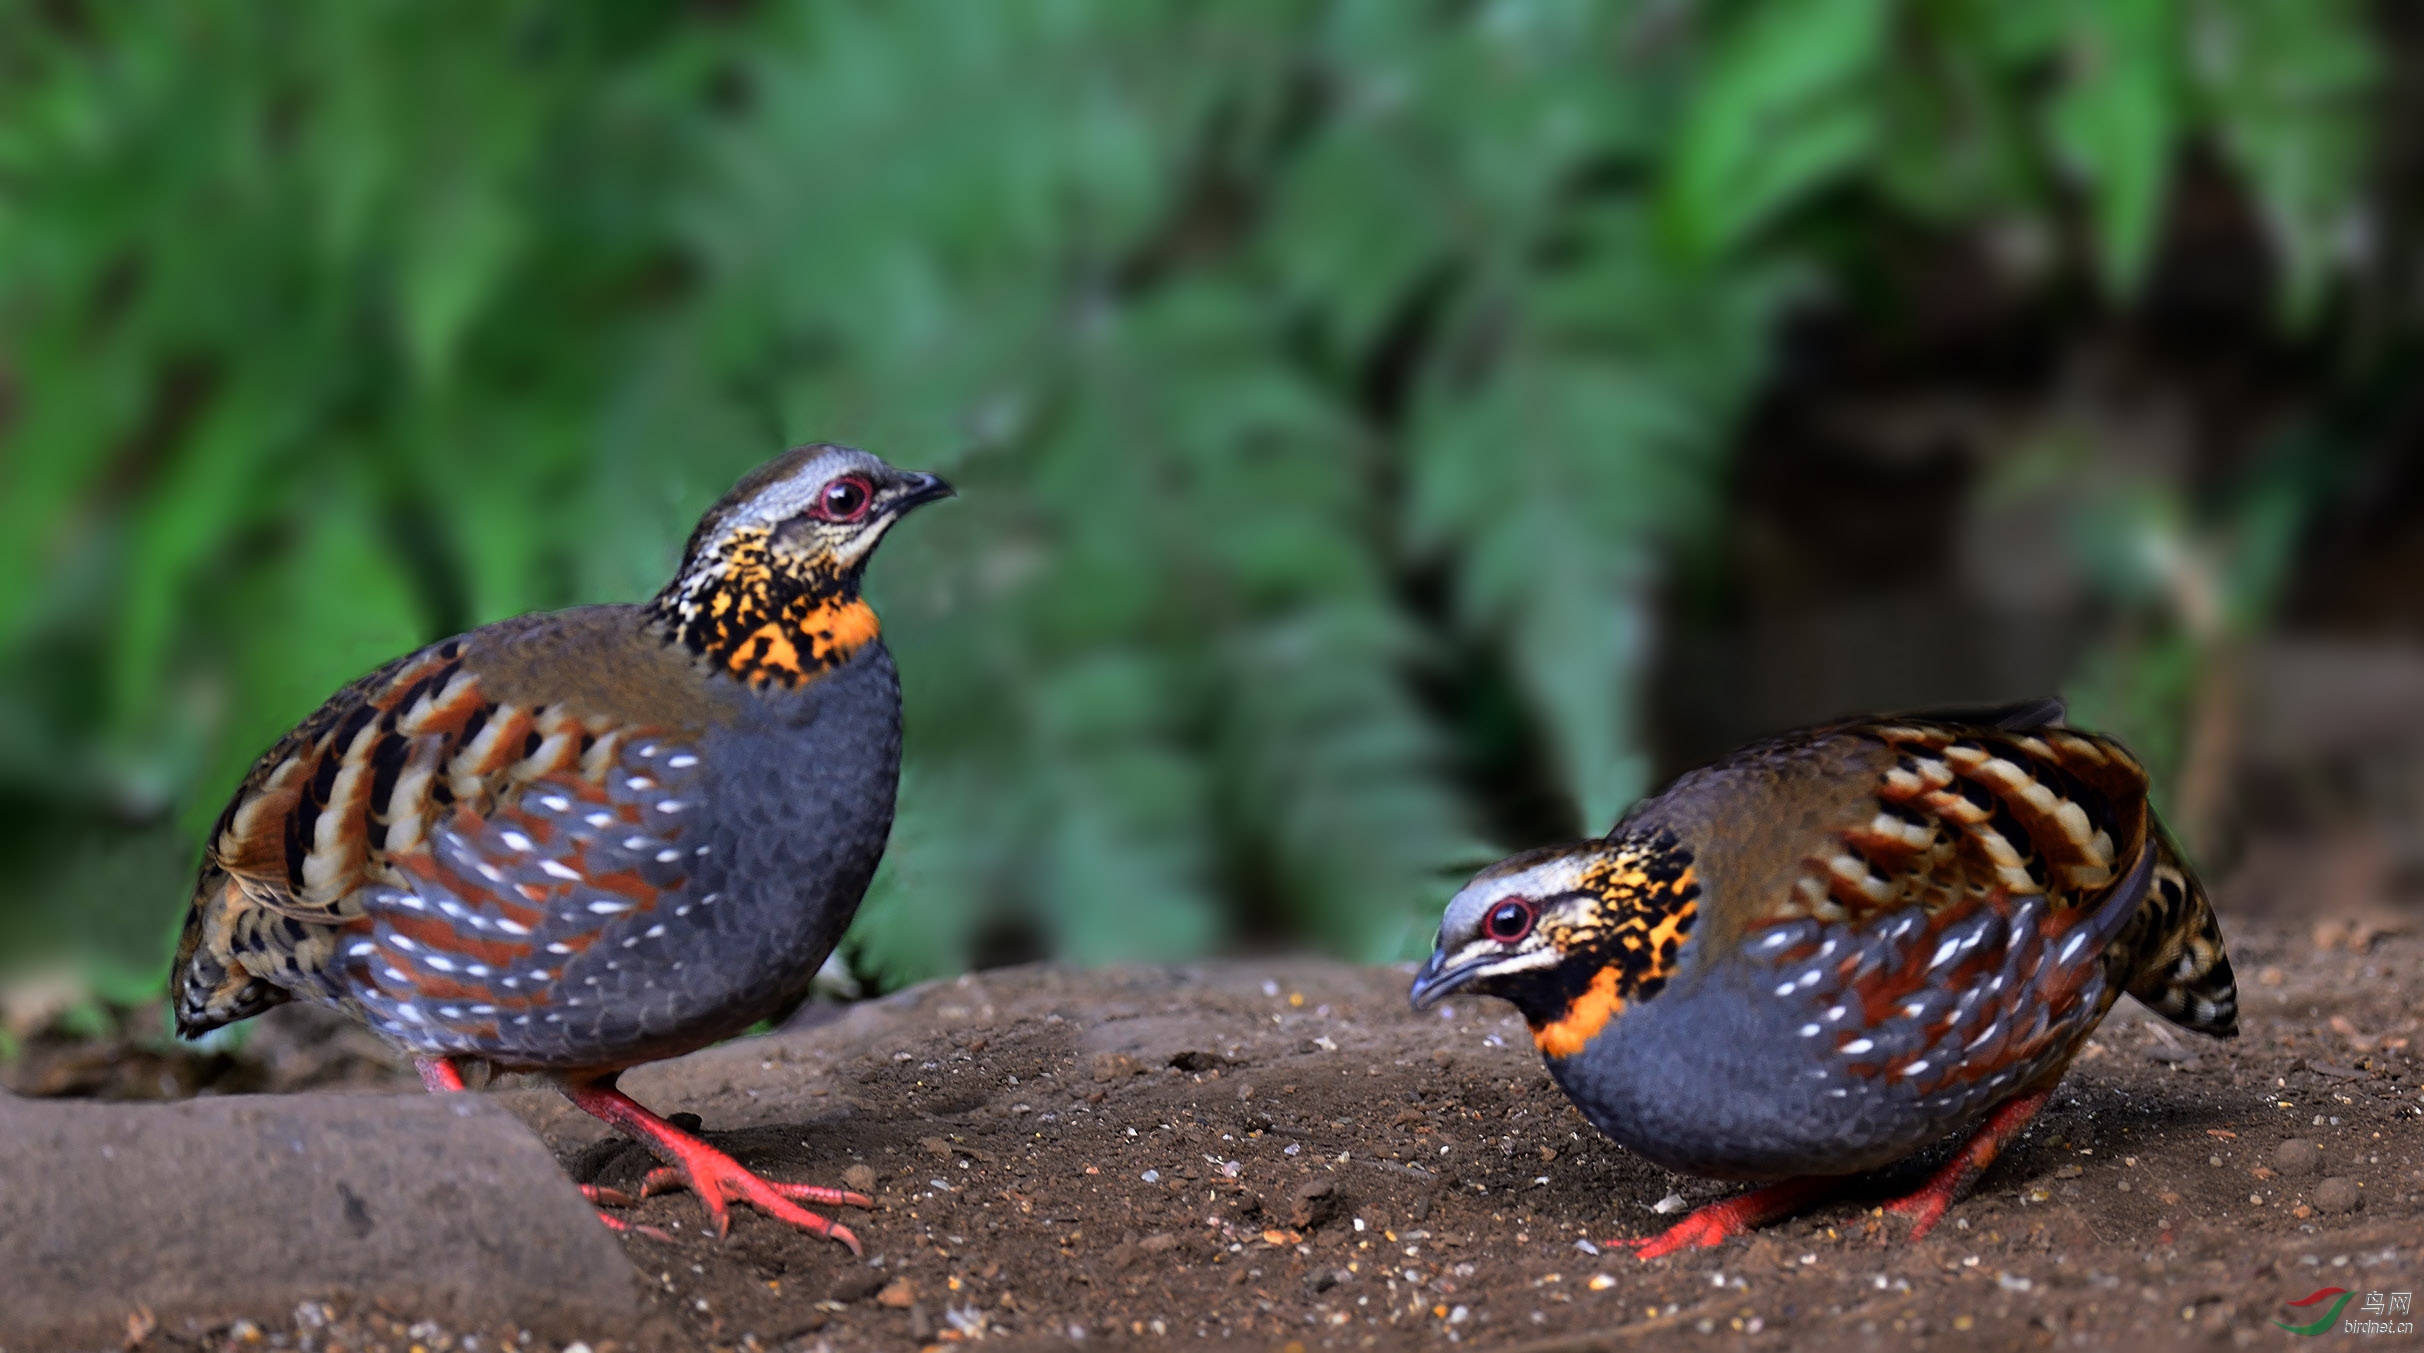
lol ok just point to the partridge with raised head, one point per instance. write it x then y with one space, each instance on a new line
1834 948
573 842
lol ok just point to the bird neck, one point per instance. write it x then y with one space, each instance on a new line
1644 899
763 624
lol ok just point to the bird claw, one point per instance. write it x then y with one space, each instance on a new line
1925 1207
623 1227
606 1197
1701 1229
718 1180
818 1193
670 1179
1718 1223
714 1176
731 1188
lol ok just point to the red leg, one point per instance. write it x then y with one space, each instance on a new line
1719 1222
716 1177
1927 1204
439 1075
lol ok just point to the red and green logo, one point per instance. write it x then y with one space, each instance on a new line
2337 1296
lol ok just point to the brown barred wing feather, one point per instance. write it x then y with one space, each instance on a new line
2010 886
253 918
1962 811
347 804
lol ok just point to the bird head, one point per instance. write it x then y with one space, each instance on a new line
1571 935
816 512
769 585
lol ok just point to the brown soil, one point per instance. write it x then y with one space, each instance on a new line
1280 1153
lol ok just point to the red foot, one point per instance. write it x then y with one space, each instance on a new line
598 1193
716 1177
616 1199
1719 1222
439 1075
1927 1204
667 1179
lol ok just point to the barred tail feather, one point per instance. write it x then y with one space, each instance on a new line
205 991
2181 971
208 996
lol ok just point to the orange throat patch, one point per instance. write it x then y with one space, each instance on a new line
1582 1021
769 625
790 650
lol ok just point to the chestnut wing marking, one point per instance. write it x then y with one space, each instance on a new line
504 920
1955 945
1955 1008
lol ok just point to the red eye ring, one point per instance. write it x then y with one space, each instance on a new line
1510 920
843 500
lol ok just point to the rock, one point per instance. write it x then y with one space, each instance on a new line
251 1205
806 1322
1314 1203
855 1285
899 1294
2337 1194
2297 1156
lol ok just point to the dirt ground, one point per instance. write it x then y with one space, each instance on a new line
1279 1153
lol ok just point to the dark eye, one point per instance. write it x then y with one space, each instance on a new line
1509 921
845 499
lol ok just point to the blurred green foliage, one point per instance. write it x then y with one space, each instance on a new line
1325 382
